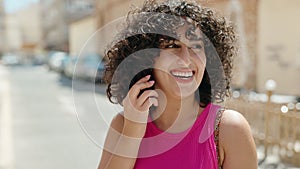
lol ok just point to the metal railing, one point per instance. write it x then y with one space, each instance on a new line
276 127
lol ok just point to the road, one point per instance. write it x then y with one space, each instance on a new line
46 125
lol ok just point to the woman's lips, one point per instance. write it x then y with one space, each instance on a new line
183 75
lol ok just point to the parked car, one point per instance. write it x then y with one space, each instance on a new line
39 59
57 61
100 72
69 66
10 60
89 67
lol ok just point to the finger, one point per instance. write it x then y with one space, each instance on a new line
145 85
146 94
149 102
144 79
135 90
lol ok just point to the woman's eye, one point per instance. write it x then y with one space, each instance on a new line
171 46
196 46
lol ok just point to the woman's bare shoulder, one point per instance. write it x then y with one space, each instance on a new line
234 126
236 141
233 120
237 145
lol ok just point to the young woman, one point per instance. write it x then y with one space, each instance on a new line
167 68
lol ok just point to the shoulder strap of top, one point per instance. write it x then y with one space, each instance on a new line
216 133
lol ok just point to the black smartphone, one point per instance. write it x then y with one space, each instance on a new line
140 75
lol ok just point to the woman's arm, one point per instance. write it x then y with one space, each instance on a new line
119 150
126 131
237 147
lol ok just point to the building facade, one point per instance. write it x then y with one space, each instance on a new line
13 34
81 25
54 25
56 17
81 38
30 29
23 36
279 46
2 28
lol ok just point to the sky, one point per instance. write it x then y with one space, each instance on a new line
14 5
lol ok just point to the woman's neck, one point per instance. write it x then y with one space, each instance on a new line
176 114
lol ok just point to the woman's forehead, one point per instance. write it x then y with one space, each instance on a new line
190 33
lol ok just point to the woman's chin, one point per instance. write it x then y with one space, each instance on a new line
184 92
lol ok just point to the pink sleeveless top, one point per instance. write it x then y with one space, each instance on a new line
194 148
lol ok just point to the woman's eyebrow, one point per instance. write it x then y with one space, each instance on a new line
200 38
196 41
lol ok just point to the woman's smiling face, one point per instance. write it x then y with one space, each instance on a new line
179 69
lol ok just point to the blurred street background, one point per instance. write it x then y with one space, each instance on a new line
51 114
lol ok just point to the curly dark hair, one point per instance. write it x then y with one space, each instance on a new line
143 33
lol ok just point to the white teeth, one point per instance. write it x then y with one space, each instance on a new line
182 74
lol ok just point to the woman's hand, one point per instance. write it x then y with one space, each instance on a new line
136 107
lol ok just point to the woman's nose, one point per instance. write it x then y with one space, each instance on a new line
185 55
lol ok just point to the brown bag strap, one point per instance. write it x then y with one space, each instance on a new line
216 133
